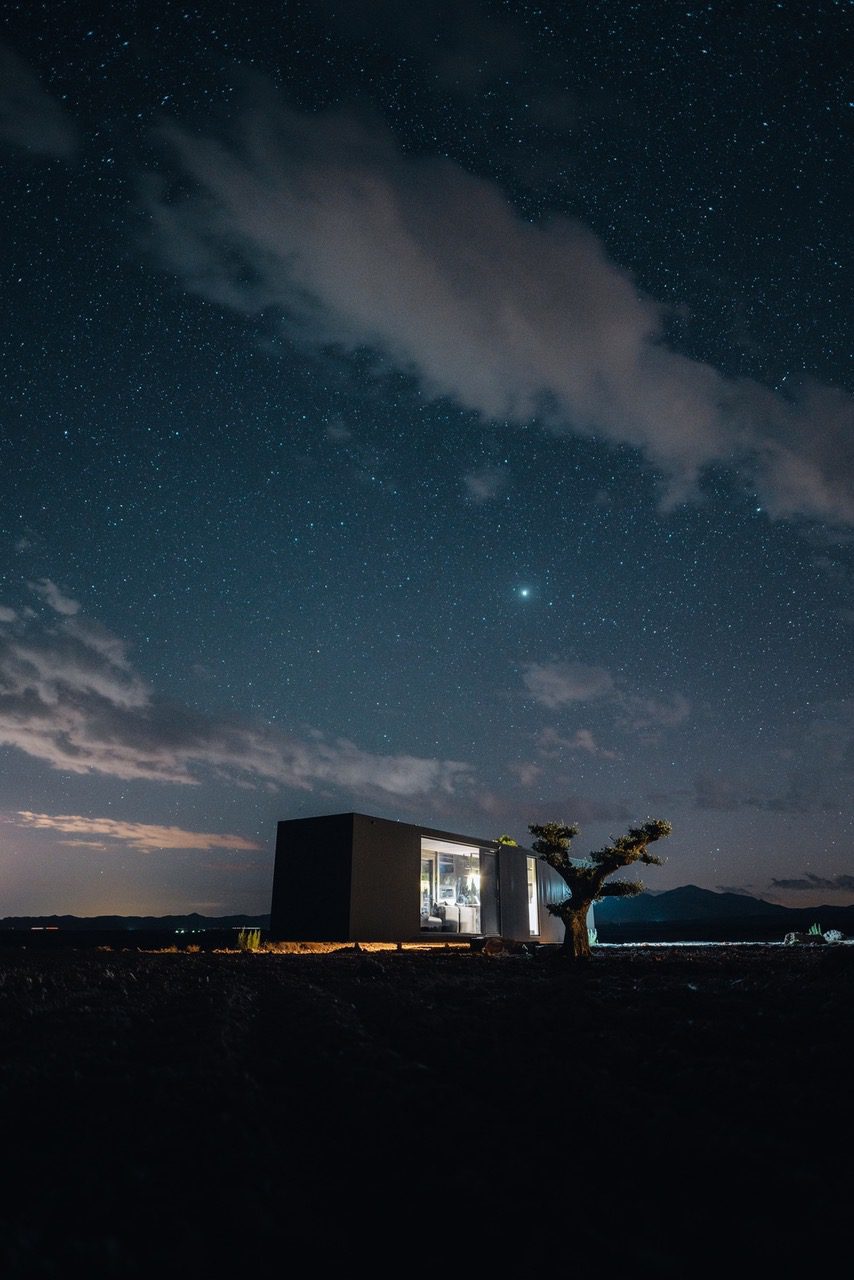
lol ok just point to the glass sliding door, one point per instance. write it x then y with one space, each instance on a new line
450 877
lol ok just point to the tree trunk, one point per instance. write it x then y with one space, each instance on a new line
576 942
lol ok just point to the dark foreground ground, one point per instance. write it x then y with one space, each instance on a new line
658 1111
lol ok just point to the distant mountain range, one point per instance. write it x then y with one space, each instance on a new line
687 914
692 914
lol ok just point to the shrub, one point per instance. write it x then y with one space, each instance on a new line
249 939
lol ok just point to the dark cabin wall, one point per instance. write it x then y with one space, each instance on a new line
311 879
550 888
384 891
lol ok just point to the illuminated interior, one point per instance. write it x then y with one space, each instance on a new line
450 887
533 909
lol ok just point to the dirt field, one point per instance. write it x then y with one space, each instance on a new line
662 1111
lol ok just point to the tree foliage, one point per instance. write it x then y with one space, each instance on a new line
587 878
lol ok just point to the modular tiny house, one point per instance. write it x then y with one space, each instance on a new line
353 877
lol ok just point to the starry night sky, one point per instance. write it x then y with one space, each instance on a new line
437 411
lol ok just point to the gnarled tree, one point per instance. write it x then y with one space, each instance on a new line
586 877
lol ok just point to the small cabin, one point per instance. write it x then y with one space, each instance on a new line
353 877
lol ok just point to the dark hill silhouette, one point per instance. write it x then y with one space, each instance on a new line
158 923
122 932
689 902
692 914
686 914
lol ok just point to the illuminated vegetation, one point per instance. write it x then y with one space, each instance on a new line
249 939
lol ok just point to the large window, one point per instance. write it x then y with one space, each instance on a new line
450 887
533 907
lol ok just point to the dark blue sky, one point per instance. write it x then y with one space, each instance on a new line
441 414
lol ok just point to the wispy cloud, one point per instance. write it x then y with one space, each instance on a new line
337 429
51 594
640 712
558 805
561 685
552 743
321 220
800 791
70 696
29 116
572 806
834 884
485 484
527 771
146 837
716 791
816 770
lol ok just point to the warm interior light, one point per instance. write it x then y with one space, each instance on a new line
450 887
